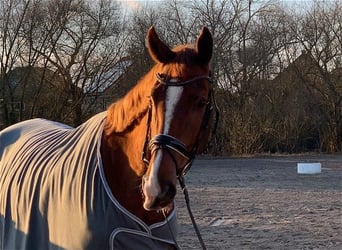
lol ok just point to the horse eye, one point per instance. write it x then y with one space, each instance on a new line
202 103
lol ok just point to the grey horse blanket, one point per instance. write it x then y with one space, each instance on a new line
54 195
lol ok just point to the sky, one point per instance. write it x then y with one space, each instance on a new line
132 4
136 4
298 5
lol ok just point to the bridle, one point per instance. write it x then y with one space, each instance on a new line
172 144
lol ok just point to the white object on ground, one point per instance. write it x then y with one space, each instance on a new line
309 168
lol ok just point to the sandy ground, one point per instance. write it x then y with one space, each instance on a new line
262 203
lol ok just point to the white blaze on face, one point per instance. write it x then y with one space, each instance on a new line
173 95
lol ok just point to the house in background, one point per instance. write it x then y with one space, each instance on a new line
303 106
112 86
30 92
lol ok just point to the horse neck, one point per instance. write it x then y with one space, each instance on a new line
121 149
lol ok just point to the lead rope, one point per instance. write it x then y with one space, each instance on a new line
187 202
194 224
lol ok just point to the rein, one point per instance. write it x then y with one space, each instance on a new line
171 144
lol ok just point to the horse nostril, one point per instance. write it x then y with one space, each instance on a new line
169 191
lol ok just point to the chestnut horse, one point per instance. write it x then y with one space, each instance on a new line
60 187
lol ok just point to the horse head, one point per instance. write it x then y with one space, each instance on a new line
178 115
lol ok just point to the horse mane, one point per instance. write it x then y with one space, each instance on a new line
124 113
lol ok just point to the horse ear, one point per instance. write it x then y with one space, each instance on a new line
204 46
158 50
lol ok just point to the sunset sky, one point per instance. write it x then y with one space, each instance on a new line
135 4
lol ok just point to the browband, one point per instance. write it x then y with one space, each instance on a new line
169 83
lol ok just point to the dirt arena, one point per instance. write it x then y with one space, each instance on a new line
262 203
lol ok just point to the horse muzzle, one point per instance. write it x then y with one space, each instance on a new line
157 197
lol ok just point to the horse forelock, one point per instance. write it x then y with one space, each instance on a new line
185 64
185 54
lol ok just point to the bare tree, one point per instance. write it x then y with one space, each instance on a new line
248 36
85 50
12 17
72 49
319 33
